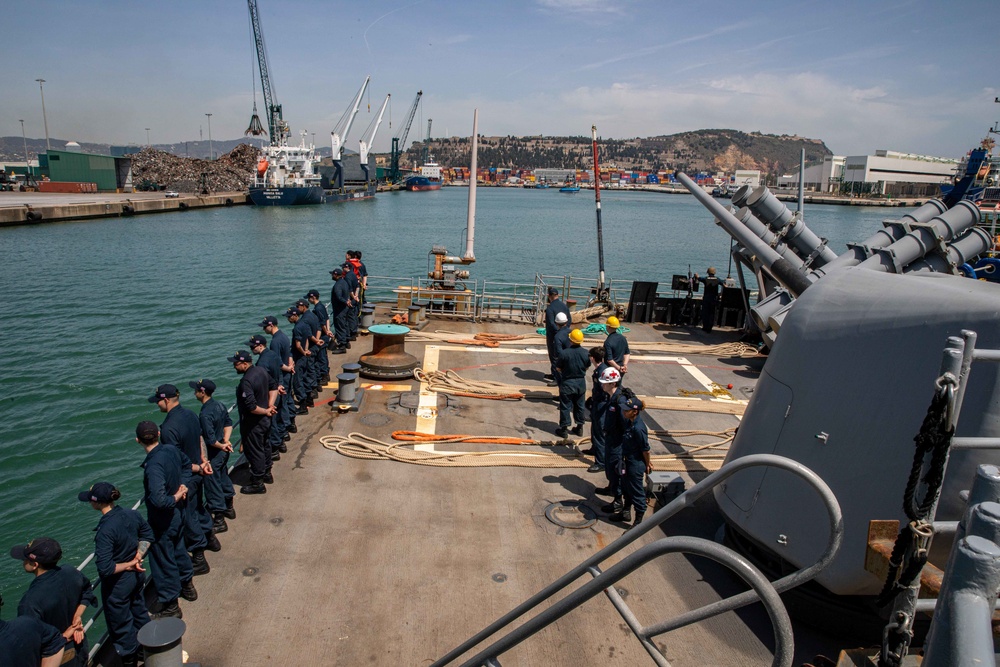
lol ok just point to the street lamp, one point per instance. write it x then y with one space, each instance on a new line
147 136
211 152
27 167
45 120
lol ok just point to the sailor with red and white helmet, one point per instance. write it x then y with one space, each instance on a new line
614 430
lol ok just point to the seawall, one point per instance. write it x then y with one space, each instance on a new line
35 208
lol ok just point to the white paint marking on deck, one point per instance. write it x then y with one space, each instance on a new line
427 405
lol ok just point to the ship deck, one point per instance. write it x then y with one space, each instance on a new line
348 561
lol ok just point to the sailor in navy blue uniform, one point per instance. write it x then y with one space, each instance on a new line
281 345
28 642
300 355
710 300
270 362
316 349
555 307
323 315
57 595
255 400
352 311
122 540
635 459
216 429
362 273
599 402
340 300
560 342
572 365
616 351
166 470
182 429
614 430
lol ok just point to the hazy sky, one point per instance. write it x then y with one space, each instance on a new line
918 76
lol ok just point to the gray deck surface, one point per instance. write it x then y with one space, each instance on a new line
354 562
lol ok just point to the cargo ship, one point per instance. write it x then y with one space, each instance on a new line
429 178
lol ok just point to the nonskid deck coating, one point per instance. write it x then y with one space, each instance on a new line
357 562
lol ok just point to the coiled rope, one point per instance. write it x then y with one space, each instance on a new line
361 446
450 382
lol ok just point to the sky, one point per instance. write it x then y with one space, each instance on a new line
915 76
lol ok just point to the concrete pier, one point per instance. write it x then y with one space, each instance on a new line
28 208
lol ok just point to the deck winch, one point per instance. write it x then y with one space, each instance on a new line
388 359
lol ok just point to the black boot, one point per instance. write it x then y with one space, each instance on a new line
578 430
283 447
292 428
169 609
268 478
561 432
230 511
302 410
624 515
188 591
286 438
255 486
638 519
604 491
213 542
615 506
199 565
219 524
130 660
276 454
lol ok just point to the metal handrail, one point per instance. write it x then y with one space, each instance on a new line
682 501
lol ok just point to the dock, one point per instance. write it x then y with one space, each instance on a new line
28 208
350 561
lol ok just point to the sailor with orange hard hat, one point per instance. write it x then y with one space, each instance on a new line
572 368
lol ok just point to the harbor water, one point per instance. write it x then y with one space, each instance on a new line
98 313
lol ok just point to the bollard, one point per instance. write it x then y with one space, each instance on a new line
161 642
347 384
367 316
413 315
353 368
423 309
388 359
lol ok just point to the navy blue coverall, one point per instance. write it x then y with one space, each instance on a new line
214 418
313 363
300 380
270 362
182 429
572 365
282 346
599 402
353 285
614 431
555 307
635 441
24 641
164 470
339 296
117 541
251 393
323 315
53 597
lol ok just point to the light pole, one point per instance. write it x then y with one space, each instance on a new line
147 136
27 167
211 153
45 120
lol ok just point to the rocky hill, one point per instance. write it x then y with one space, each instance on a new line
702 150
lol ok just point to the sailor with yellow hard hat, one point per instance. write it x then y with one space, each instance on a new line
616 352
572 368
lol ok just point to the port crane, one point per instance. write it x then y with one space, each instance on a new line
399 141
339 134
427 141
368 137
277 128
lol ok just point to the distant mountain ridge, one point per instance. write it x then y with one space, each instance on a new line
700 150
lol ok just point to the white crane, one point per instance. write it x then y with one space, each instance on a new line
364 145
339 134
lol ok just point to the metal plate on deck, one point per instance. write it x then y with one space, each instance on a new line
571 514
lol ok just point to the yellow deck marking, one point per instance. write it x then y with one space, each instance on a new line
381 386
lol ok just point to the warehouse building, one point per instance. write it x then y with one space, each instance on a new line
109 173
886 173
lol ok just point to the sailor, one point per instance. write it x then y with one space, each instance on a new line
352 310
598 407
572 365
560 341
122 540
300 355
281 344
321 313
269 361
354 258
340 299
635 459
182 429
555 307
165 473
28 642
614 429
616 352
57 595
710 299
255 401
316 348
216 429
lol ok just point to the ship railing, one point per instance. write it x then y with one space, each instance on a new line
584 290
95 648
762 590
517 302
960 630
386 290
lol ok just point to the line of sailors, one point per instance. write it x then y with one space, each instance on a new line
187 489
619 438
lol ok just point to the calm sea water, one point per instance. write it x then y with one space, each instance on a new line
98 313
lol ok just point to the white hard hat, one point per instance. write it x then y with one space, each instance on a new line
561 318
610 375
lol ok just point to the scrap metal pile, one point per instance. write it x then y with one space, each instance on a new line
155 169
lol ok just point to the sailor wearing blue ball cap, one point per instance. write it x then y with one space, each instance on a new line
216 429
255 401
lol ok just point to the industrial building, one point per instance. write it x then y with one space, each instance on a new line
886 173
109 173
